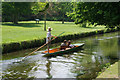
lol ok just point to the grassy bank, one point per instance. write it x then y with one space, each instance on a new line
110 72
29 30
29 34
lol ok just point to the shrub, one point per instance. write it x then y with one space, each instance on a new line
100 32
25 44
9 47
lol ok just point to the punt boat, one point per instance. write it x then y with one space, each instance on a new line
57 51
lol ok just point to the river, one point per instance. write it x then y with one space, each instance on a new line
99 51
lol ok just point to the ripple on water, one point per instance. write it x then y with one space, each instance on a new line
66 66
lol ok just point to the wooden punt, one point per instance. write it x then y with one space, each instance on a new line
57 51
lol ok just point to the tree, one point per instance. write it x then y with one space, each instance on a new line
62 8
15 9
41 7
99 13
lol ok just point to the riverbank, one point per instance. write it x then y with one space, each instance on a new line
84 64
110 72
29 34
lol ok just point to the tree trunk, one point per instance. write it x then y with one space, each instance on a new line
45 21
63 19
15 18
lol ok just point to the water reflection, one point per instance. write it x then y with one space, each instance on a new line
86 63
48 66
18 70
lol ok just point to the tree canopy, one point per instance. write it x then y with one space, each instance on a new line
99 13
62 8
39 7
14 10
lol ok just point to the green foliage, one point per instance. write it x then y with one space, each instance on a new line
111 72
29 34
38 7
23 36
22 45
103 67
9 47
97 13
19 11
41 7
62 9
14 10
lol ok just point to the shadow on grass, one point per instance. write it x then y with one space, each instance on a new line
27 25
92 27
64 23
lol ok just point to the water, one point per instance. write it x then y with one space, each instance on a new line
98 52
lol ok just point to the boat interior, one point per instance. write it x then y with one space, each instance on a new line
56 50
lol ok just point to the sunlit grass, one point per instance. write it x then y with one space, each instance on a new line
111 72
29 30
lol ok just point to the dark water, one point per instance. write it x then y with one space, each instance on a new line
99 51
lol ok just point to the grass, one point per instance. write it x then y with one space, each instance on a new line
111 72
29 30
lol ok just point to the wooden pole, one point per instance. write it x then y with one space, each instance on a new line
42 46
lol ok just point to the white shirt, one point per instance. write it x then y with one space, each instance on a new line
63 44
71 45
48 36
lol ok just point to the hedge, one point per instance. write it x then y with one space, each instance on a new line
10 47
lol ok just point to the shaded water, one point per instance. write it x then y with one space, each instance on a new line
98 52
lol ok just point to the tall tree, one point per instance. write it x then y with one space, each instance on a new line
15 9
98 13
62 8
41 7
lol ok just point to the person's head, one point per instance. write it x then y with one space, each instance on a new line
69 42
49 29
65 41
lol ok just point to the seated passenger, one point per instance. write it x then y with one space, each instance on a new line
63 45
69 45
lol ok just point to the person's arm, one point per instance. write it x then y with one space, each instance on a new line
53 36
72 46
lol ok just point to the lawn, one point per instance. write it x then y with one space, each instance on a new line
111 72
29 30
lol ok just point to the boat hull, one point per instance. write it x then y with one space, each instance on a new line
79 46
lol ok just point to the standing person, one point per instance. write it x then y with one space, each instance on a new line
49 37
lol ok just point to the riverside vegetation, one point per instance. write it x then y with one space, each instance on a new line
110 72
28 34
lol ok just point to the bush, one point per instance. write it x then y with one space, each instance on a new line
100 32
107 30
10 47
